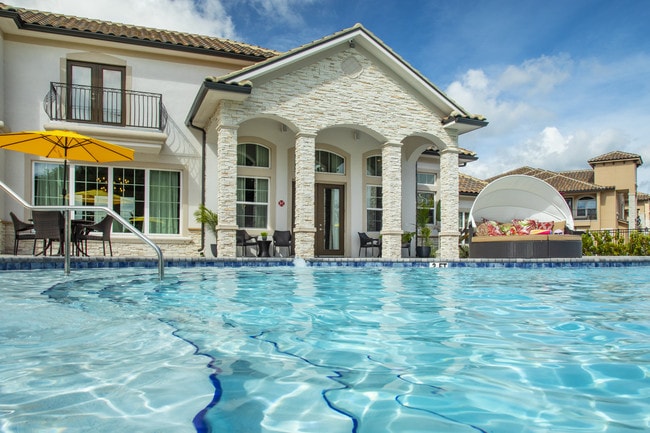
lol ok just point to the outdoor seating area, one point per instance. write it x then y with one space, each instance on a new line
522 217
48 229
281 242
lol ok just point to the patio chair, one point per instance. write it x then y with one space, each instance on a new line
49 226
245 240
100 232
366 242
22 231
282 239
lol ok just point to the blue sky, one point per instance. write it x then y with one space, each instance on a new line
559 81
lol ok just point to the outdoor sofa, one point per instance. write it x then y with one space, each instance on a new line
521 216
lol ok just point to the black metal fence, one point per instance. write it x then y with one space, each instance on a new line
621 233
102 105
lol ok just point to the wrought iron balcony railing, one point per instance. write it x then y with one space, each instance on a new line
106 106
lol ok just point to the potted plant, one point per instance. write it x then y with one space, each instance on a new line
210 219
422 221
264 235
406 240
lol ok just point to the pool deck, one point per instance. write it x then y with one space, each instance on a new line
8 262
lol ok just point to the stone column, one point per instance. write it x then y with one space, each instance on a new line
391 182
305 230
449 234
227 190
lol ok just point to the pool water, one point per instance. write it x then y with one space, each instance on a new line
287 349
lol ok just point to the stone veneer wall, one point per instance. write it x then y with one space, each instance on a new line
5 228
322 94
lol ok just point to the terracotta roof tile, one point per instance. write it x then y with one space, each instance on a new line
616 156
559 181
45 21
585 175
470 185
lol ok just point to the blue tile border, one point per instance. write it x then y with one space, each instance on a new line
9 263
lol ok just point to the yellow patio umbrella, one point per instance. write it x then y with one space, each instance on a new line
64 145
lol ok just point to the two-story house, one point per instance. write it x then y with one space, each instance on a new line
603 197
327 140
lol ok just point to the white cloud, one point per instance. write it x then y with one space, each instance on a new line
556 113
536 76
484 95
285 11
200 17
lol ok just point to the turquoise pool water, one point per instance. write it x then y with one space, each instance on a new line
332 350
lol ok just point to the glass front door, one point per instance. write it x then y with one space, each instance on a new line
330 201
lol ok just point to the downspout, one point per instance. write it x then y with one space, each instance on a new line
203 174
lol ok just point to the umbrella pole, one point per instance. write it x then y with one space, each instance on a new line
68 227
65 180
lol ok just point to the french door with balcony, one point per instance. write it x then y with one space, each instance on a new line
95 93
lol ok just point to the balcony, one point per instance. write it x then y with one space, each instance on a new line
105 106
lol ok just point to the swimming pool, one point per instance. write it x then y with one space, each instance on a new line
287 349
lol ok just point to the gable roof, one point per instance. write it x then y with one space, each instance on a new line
356 36
616 155
130 34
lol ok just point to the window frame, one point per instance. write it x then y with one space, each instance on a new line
318 160
267 203
379 210
110 184
377 163
258 147
583 212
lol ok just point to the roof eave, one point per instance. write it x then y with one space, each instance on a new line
208 97
464 125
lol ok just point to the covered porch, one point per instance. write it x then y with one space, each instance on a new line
324 141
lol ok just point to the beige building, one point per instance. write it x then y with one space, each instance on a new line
327 140
603 197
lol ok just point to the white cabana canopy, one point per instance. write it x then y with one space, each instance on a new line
520 197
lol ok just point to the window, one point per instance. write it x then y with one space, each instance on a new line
373 166
426 203
252 202
95 93
586 208
463 220
164 201
252 155
569 202
148 199
328 162
373 208
427 178
621 213
48 184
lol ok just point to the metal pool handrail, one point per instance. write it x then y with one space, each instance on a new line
67 210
